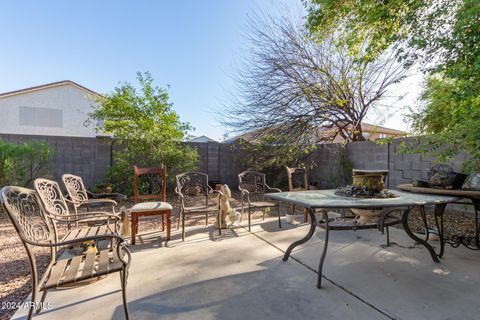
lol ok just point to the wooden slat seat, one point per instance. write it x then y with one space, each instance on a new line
87 232
81 267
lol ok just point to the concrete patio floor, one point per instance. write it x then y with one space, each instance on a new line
240 275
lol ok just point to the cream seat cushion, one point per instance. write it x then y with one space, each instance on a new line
151 206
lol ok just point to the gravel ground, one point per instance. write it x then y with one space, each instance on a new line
15 269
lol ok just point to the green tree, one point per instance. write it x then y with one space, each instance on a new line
146 131
415 28
34 159
448 31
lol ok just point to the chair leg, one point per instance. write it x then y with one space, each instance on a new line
293 209
123 280
134 227
178 220
163 222
206 218
263 216
279 220
183 226
42 300
169 223
219 223
388 237
34 295
249 229
305 215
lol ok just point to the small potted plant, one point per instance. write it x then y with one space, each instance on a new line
290 217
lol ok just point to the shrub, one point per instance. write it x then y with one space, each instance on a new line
20 164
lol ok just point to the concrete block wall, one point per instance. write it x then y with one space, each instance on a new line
368 155
213 161
89 158
324 172
202 165
406 167
231 163
222 162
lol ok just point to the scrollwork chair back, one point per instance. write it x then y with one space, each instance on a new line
254 182
193 185
75 188
26 213
52 198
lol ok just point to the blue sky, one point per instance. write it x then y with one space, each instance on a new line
189 45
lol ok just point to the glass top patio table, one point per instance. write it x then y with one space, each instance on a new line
316 199
325 199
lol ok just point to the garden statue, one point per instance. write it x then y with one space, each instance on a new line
127 232
225 209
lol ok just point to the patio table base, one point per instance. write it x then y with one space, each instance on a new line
328 199
439 211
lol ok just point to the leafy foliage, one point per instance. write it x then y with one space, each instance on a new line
451 100
147 131
449 31
370 27
20 164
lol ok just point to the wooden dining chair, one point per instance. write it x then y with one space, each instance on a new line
298 181
150 184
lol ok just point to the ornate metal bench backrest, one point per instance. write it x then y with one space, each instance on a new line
52 198
150 184
75 188
255 183
24 209
297 179
193 185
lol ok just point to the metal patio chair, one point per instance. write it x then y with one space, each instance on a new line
253 187
80 196
193 190
57 208
36 229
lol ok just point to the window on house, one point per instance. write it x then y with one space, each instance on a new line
27 116
382 135
40 117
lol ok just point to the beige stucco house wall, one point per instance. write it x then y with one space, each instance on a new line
58 109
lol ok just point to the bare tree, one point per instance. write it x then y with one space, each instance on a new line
292 89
